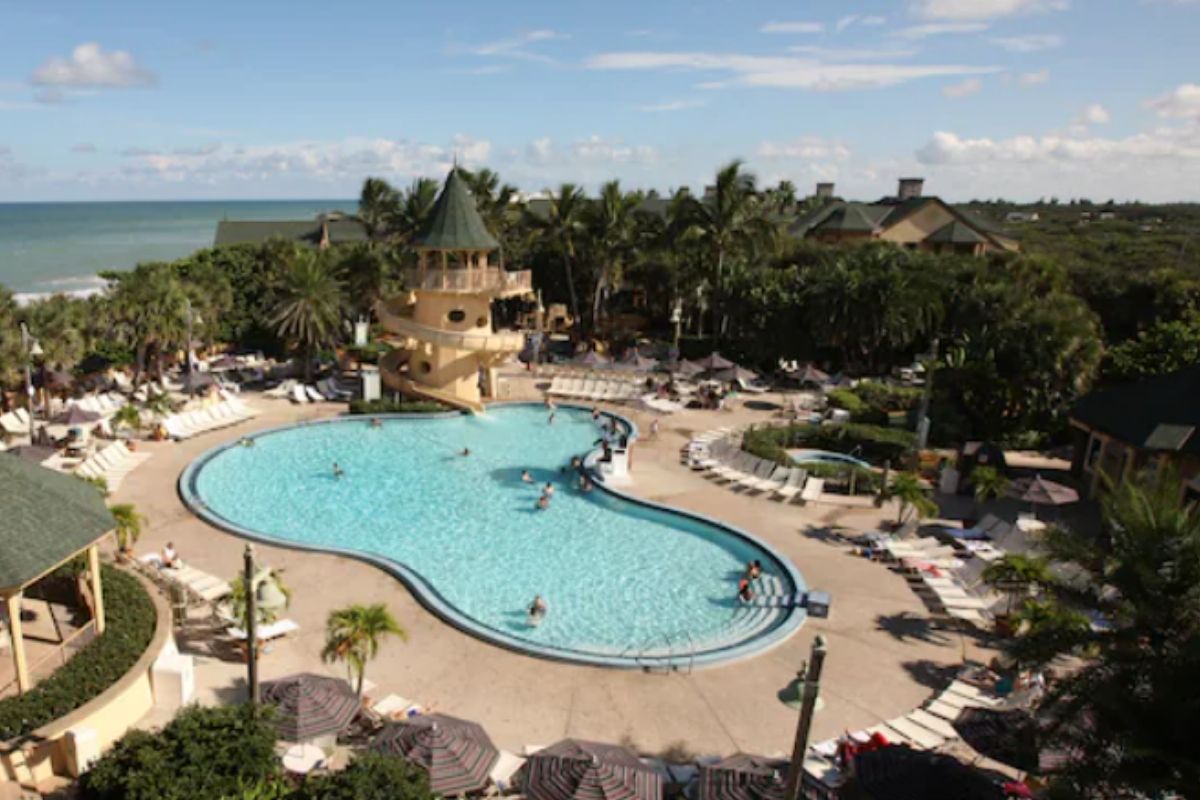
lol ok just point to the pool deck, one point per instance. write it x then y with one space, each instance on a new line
885 657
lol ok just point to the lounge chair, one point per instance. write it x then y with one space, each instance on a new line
313 395
793 486
933 723
743 464
776 479
298 395
265 633
394 707
813 489
918 734
504 769
762 471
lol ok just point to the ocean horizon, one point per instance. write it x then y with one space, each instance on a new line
61 247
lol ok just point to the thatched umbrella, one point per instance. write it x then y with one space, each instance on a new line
714 361
577 770
308 706
457 754
743 777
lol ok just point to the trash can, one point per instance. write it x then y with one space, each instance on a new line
817 604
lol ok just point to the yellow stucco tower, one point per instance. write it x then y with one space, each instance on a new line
442 325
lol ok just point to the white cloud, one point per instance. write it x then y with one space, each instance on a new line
1030 43
793 27
1034 78
672 105
983 9
968 87
939 29
612 151
873 21
1182 102
91 67
1162 144
804 148
1095 114
857 19
845 22
782 72
850 53
518 46
83 147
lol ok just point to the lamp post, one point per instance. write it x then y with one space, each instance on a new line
808 685
261 592
32 350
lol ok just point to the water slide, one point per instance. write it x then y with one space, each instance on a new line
390 370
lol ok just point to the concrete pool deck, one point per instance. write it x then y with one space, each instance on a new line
885 657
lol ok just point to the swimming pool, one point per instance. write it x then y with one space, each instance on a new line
627 583
826 457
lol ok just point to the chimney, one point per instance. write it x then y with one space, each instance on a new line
824 191
910 188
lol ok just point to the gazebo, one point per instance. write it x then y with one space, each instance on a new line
49 518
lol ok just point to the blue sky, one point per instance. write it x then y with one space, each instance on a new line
984 98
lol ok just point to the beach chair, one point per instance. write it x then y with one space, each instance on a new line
313 395
813 489
504 769
265 633
23 417
933 723
297 394
793 486
776 479
281 391
735 469
919 735
762 470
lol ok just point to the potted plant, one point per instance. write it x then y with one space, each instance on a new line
1015 575
988 484
128 528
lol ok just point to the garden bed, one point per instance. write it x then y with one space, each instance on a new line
872 443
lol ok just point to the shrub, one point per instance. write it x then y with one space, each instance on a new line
203 753
371 776
838 478
360 407
130 617
872 443
848 400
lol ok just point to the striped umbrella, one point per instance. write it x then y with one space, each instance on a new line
308 706
457 754
743 777
578 770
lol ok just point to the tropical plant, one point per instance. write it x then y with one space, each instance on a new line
149 307
612 230
378 207
913 496
238 607
127 416
370 776
988 483
309 308
128 525
561 230
353 634
1016 575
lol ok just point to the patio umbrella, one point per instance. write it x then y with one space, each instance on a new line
1039 491
735 373
687 369
714 361
743 777
308 706
1010 737
53 379
900 773
577 770
74 415
591 359
639 361
457 754
197 380
811 374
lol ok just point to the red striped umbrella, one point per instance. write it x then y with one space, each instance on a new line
457 754
308 706
578 770
743 777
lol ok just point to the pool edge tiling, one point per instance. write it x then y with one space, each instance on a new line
425 591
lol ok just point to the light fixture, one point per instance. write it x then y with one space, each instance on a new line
792 695
35 348
268 595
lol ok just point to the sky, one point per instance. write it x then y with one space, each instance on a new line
1019 99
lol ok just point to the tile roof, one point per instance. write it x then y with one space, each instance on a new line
47 517
455 223
1152 414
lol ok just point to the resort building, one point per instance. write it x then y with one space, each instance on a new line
908 219
324 231
446 348
1146 425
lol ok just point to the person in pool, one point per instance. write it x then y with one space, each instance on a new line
526 477
543 503
753 569
337 471
585 483
745 593
595 414
466 451
246 441
548 489
376 422
537 610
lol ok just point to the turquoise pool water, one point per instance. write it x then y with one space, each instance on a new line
620 578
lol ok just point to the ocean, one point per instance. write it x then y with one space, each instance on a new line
60 247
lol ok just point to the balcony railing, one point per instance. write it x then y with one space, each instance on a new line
403 325
491 279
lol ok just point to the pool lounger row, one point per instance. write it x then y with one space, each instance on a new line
111 464
222 415
595 389
198 583
736 468
16 422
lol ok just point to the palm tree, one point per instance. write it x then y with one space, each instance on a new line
612 226
127 416
989 484
731 224
309 308
150 310
1015 574
561 229
415 207
492 198
378 206
913 496
128 525
353 635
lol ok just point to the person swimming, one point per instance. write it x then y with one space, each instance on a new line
754 570
595 413
745 593
543 503
337 471
466 451
376 422
537 610
576 463
548 489
526 477
585 484
246 441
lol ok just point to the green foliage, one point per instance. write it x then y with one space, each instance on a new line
371 776
1127 714
988 484
872 401
1165 347
913 496
129 524
1016 575
353 634
368 407
131 619
848 400
309 305
203 753
871 443
840 478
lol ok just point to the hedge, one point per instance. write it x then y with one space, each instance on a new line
131 619
871 401
363 407
872 443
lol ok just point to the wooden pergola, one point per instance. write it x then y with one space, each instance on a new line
47 518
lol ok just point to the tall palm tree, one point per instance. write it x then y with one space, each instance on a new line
378 205
150 310
913 496
309 306
561 230
612 227
12 355
492 198
353 634
416 204
732 224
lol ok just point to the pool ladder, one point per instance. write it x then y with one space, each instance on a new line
664 664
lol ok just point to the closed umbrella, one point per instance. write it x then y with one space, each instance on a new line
457 754
735 374
714 361
577 770
743 777
1041 492
308 706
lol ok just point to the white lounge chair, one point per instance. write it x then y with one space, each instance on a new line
313 394
776 479
793 486
298 395
762 471
265 633
813 489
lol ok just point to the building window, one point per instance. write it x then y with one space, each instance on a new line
457 315
426 368
481 322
